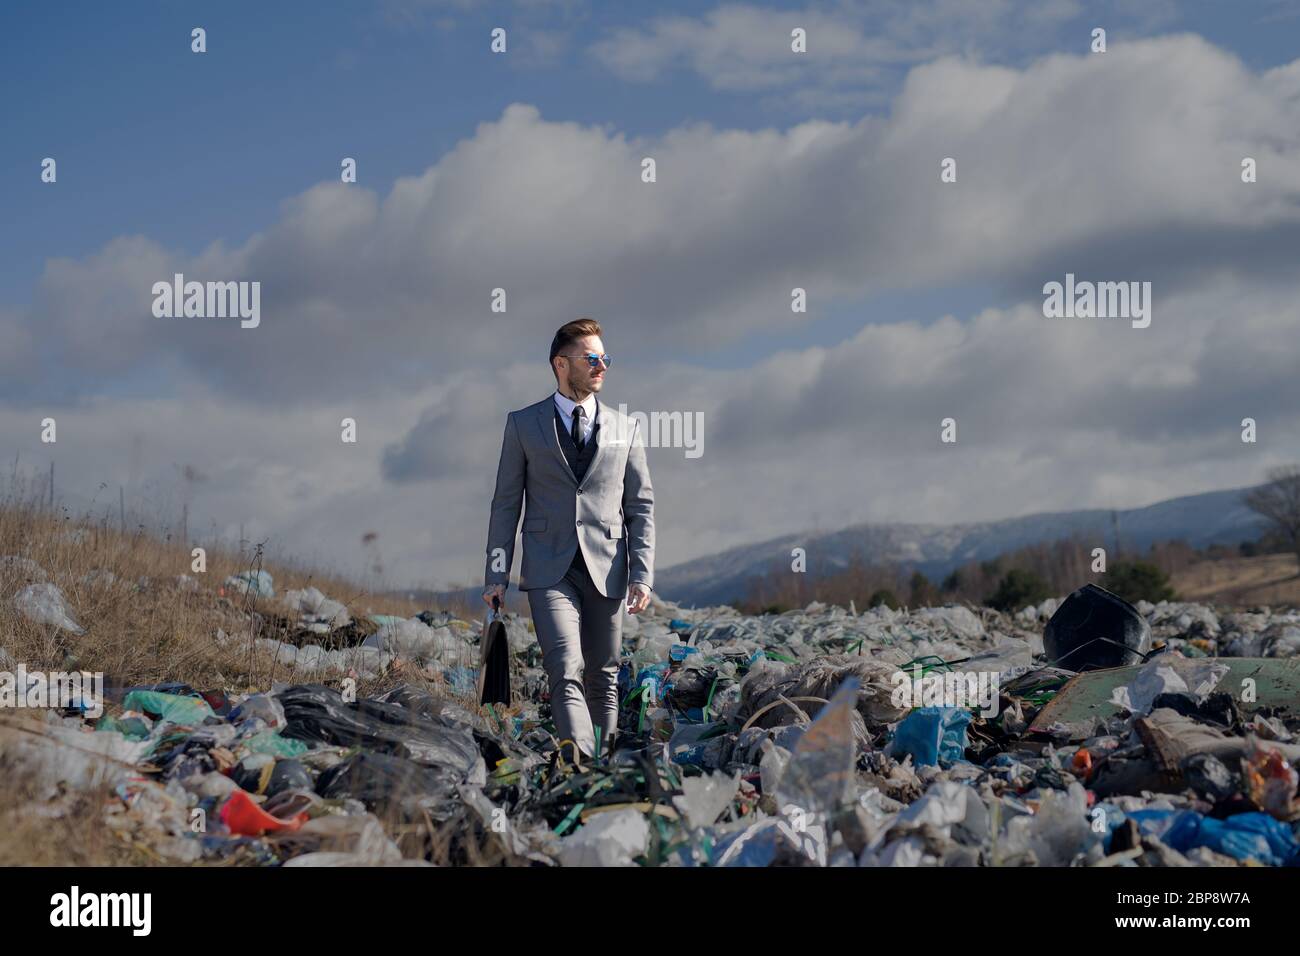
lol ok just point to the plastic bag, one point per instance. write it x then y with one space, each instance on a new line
270 742
173 708
706 798
393 787
415 640
62 756
948 804
317 713
313 607
772 841
258 582
259 705
45 604
1169 674
1245 836
611 838
932 735
360 838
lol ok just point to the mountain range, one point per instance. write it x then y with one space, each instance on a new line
1215 517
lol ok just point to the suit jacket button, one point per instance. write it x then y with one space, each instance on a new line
579 522
579 491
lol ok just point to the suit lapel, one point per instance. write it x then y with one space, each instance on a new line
601 421
546 422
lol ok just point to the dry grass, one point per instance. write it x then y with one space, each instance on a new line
1265 579
140 628
143 627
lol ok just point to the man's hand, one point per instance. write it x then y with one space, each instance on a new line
638 596
497 590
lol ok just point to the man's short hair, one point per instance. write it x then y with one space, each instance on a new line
570 332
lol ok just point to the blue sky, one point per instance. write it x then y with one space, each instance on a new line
154 139
188 149
477 170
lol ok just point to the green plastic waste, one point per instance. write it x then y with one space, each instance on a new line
270 742
132 728
187 711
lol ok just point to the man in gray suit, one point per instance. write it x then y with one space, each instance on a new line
589 534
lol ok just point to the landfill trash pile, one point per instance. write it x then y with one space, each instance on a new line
315 637
939 736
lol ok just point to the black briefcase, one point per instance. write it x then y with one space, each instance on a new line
494 659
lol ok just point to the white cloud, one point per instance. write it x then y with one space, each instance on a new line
855 48
376 306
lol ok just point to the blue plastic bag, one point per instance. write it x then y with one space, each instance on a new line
462 679
1244 836
679 652
932 735
259 582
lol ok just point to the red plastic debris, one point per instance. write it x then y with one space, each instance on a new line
1082 762
246 818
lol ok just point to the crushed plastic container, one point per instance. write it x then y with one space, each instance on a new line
1094 628
819 776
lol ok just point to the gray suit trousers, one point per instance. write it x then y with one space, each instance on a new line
580 632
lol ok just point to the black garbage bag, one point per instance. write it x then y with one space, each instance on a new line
253 773
262 774
179 758
427 705
1094 628
393 787
693 688
493 745
1220 708
317 713
288 775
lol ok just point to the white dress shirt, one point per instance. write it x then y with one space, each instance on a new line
566 406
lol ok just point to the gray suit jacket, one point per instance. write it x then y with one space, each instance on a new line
610 516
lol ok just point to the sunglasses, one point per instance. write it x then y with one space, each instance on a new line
594 360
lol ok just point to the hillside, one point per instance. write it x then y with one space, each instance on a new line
1216 517
1266 579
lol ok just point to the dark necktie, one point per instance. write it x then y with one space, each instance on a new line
577 427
